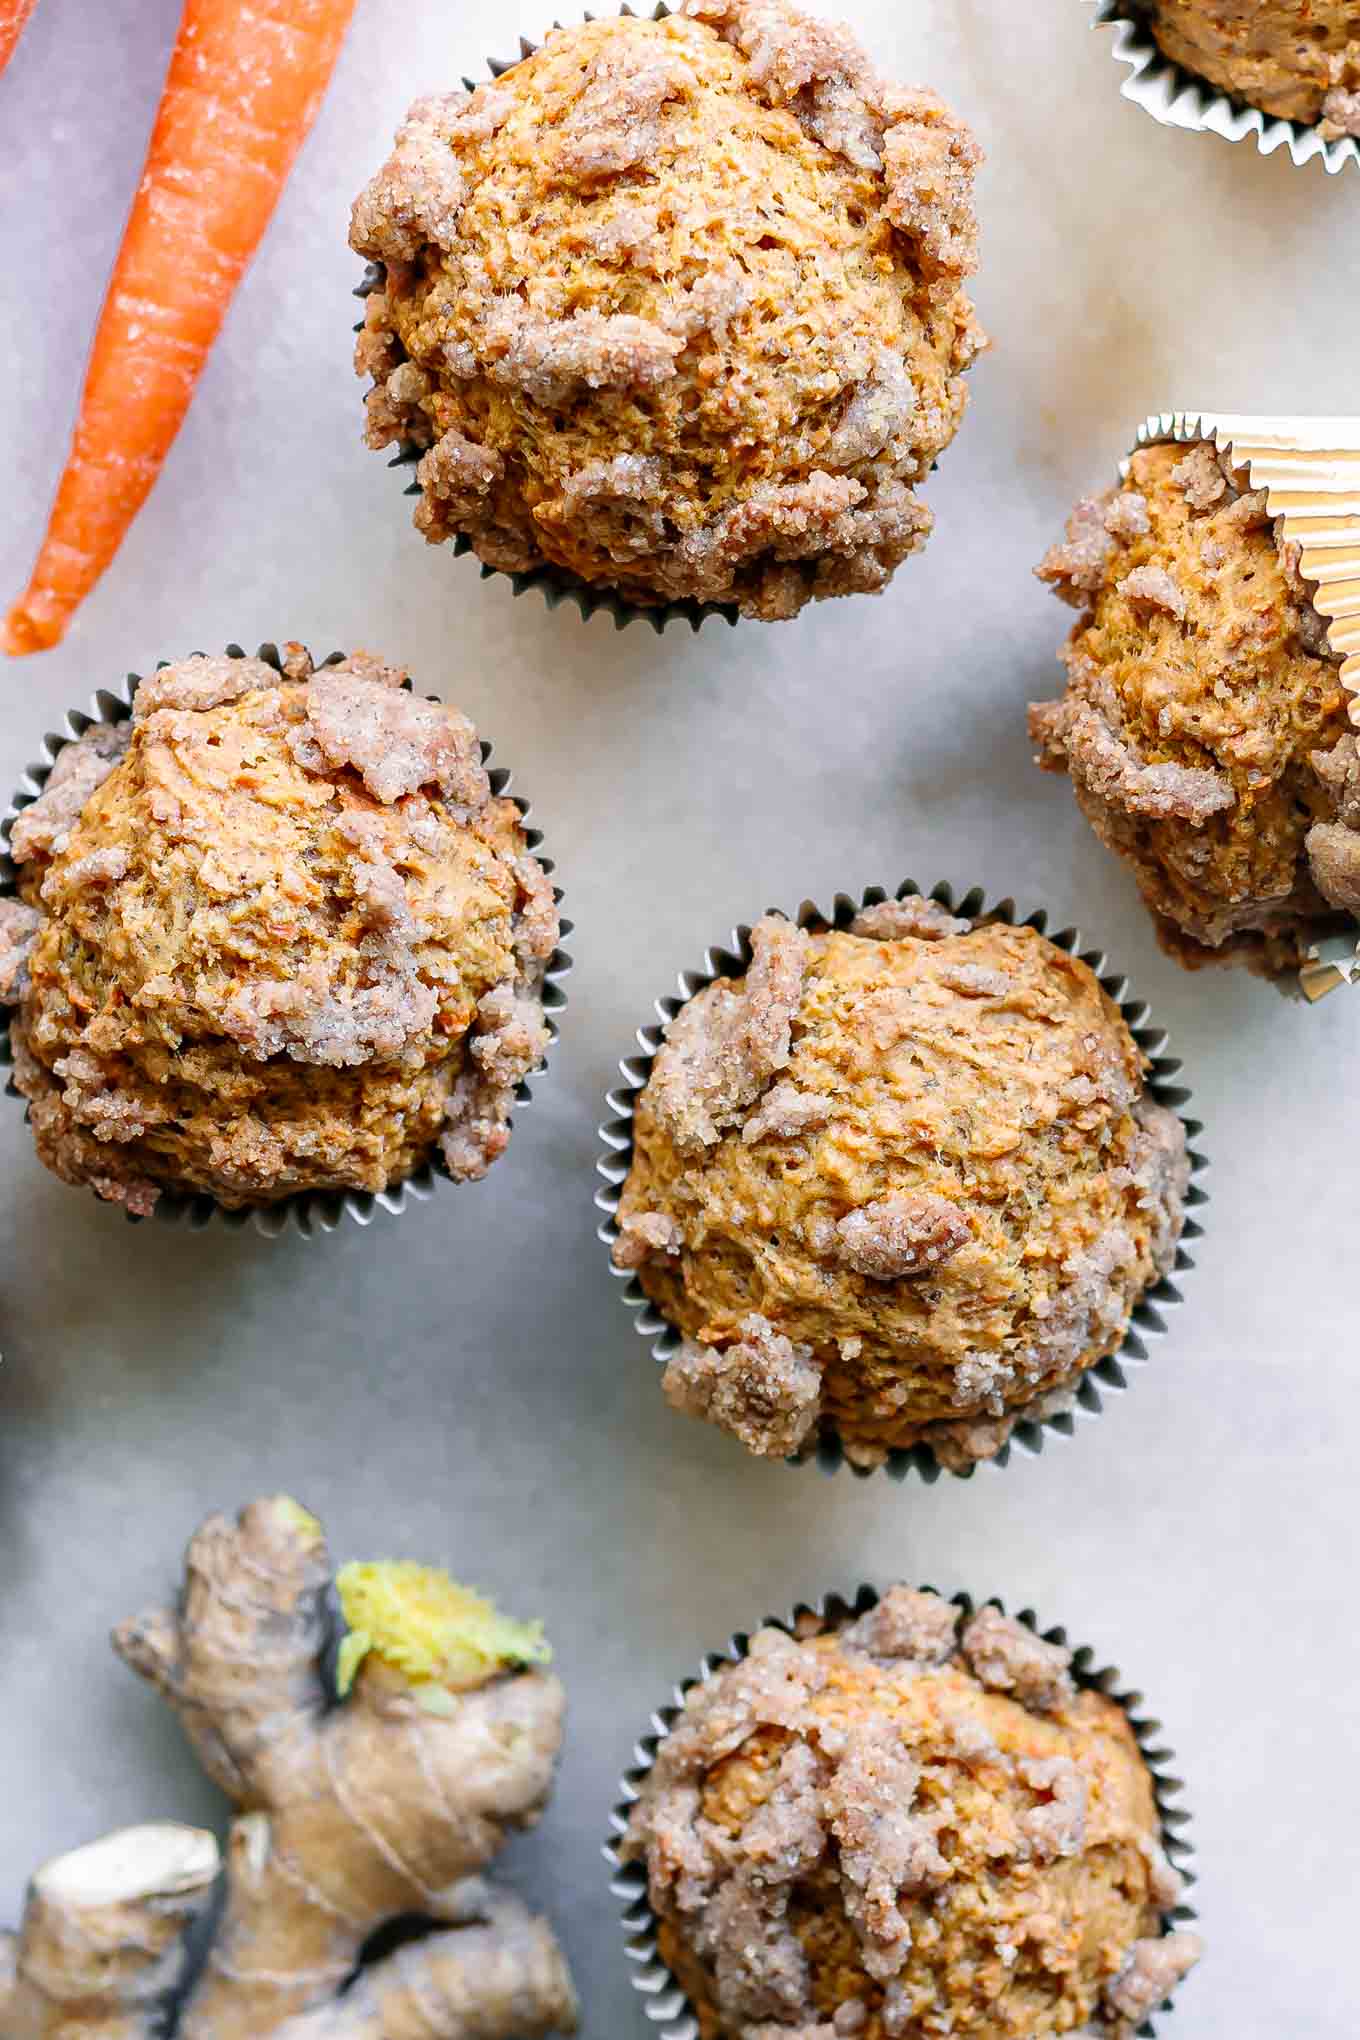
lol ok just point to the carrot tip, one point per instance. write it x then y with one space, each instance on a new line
23 632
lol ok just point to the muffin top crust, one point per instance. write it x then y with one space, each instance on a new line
898 1182
1204 725
676 306
1297 59
910 1822
274 933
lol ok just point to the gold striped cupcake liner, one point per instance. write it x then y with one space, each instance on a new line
664 2001
1181 99
1107 1377
1310 471
306 1212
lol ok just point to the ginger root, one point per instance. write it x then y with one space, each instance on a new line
362 1801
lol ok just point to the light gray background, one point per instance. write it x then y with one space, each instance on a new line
464 1383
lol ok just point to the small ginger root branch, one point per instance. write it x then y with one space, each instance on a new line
491 1979
101 1952
363 1798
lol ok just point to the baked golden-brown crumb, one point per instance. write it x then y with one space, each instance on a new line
1204 727
676 306
1298 59
908 1824
901 1183
275 934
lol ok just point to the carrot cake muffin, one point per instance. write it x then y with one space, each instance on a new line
901 1183
913 1823
274 934
676 307
1204 727
1297 59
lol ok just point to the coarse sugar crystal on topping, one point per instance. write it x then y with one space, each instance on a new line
1056 1825
1074 568
726 1042
1334 863
914 918
1009 1658
553 361
614 125
19 925
200 683
1341 113
643 1234
1150 1974
908 1233
930 159
394 740
1311 624
1201 477
1083 734
71 876
906 1623
814 67
770 1687
1154 588
417 196
761 1388
786 1113
887 1850
43 829
1339 771
1126 516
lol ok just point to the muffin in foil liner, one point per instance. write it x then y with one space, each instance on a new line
665 2002
555 584
306 1212
1310 471
1180 98
1054 1415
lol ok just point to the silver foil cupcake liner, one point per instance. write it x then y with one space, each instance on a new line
307 1212
1107 1377
556 584
1180 98
665 2002
1310 471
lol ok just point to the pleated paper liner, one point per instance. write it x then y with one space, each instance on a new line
306 1212
1107 1377
664 2000
1310 471
556 584
1180 98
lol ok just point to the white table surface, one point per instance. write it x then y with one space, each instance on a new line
464 1384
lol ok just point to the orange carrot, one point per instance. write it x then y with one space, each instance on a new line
13 15
245 83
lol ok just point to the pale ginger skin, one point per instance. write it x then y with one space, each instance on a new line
102 1948
350 1816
